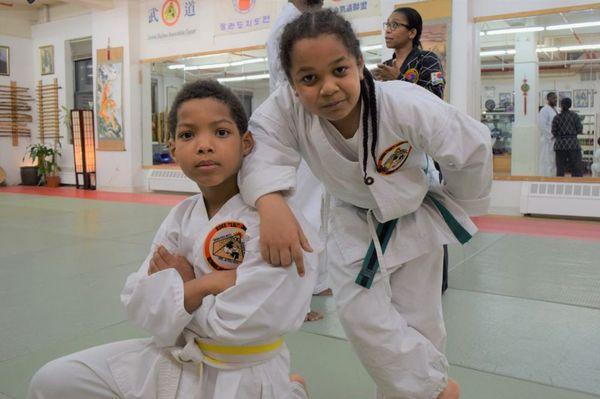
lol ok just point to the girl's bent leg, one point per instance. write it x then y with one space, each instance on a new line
402 360
415 298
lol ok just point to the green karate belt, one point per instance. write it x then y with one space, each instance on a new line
384 232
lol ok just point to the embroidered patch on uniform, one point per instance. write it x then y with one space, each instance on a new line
224 245
412 75
437 78
393 158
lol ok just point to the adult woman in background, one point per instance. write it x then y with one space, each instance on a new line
410 62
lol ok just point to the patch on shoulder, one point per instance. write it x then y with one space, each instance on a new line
224 245
412 75
437 78
393 158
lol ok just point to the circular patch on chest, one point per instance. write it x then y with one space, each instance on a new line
224 246
412 75
393 158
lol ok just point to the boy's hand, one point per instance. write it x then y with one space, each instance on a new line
194 291
281 237
163 259
220 280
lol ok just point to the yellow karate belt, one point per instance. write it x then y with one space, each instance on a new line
221 355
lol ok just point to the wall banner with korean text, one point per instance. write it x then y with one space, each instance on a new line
169 19
351 9
241 16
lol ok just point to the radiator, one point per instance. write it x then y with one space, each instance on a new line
565 199
170 180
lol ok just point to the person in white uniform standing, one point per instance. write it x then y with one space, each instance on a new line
216 311
547 156
367 142
309 195
595 168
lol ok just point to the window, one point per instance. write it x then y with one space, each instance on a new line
83 94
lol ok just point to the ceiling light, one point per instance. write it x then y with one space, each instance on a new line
246 62
580 47
515 30
177 66
246 77
373 47
207 66
573 26
258 77
493 53
236 79
546 49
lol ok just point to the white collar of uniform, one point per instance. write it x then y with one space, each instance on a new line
233 203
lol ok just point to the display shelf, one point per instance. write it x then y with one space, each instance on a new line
588 139
500 125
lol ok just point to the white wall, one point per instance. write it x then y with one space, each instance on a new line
205 38
122 170
16 22
506 197
21 71
58 33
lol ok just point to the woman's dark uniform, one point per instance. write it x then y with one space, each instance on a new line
425 69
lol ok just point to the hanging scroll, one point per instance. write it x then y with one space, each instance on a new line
109 99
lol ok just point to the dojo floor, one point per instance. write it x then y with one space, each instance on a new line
522 311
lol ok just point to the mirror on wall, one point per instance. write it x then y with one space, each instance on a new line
522 61
244 71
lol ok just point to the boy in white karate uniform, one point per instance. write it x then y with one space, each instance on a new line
216 311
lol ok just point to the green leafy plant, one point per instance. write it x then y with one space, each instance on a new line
46 159
65 119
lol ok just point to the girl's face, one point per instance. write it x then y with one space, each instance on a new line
397 33
326 77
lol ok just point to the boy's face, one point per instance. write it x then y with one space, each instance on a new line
208 145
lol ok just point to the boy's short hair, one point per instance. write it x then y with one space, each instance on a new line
208 88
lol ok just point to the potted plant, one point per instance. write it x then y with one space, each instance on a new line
46 159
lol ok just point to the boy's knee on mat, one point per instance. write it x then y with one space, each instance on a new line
51 381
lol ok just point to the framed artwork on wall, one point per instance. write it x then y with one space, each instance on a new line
564 94
581 98
4 60
544 94
47 60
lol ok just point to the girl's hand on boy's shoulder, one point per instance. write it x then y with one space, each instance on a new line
282 240
162 259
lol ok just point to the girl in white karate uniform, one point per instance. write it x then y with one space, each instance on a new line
368 143
215 310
